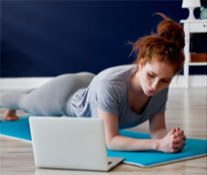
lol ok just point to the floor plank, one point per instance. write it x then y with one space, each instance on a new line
185 108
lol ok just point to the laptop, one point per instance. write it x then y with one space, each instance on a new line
70 143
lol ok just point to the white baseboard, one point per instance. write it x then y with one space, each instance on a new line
195 81
28 83
22 83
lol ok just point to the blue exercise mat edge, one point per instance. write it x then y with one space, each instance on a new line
23 124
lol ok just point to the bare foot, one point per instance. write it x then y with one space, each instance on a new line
10 115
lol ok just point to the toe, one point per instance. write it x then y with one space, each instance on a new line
11 118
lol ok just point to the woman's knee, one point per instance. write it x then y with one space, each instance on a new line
11 99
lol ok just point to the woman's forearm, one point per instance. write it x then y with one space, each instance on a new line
174 141
159 133
123 143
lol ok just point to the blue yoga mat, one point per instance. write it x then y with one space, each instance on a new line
194 147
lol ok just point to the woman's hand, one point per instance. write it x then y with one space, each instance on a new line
173 142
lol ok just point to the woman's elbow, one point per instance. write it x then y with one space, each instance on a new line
109 144
112 144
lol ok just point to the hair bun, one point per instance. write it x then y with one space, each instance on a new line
171 30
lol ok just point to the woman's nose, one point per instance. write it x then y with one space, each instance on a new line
155 85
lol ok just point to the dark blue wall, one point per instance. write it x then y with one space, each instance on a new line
48 38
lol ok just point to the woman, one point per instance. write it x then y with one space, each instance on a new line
123 96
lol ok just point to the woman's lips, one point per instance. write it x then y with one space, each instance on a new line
150 91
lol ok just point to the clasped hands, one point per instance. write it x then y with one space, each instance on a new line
173 142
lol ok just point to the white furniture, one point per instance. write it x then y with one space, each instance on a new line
191 5
191 26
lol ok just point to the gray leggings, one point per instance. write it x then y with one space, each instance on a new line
49 99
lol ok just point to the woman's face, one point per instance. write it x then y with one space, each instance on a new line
154 76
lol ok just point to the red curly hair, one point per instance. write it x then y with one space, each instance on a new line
167 45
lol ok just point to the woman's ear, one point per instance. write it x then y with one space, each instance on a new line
141 64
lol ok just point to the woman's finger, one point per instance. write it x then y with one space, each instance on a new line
177 139
178 146
175 150
173 131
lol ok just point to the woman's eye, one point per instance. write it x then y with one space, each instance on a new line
165 81
150 75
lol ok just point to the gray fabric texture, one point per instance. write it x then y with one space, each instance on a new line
109 91
81 94
49 99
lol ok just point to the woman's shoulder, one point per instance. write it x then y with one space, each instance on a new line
122 72
115 79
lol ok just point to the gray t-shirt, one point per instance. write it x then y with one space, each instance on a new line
109 91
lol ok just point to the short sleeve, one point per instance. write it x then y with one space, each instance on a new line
108 97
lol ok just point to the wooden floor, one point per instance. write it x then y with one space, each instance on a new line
186 109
